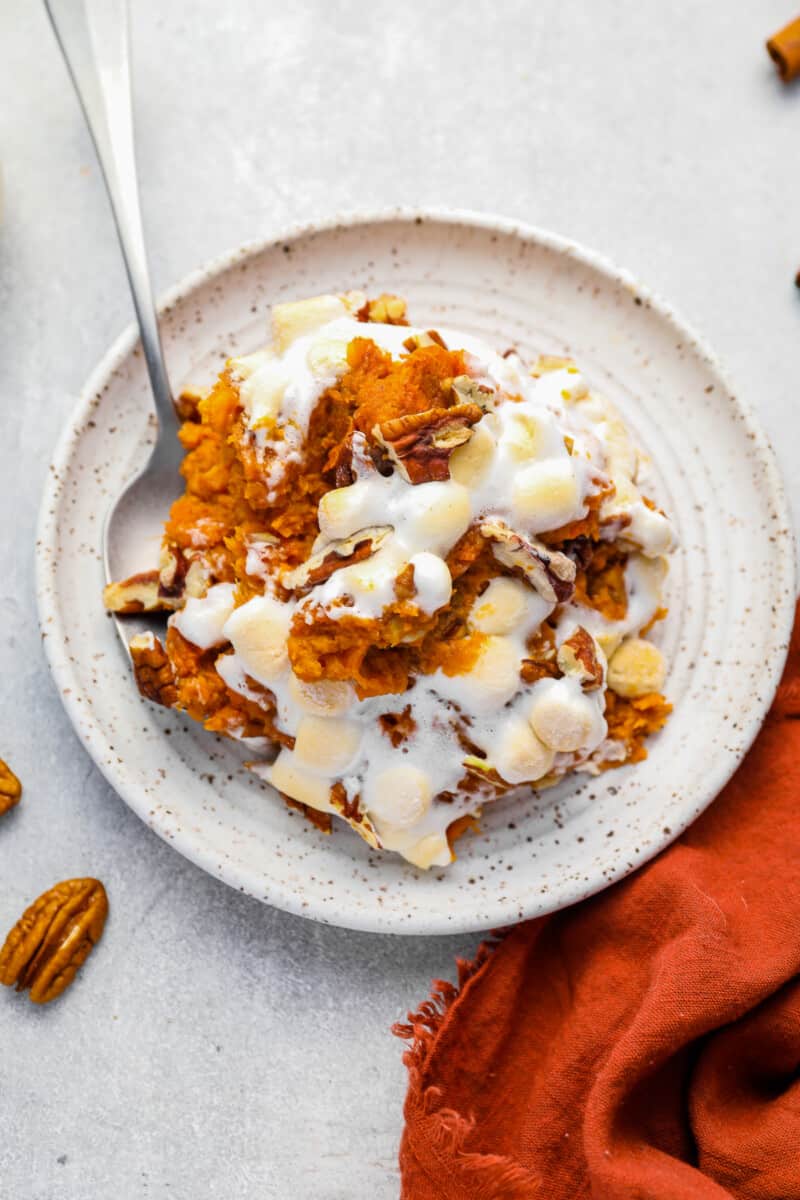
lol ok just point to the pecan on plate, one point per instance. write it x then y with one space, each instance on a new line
53 938
420 444
386 310
578 657
341 553
142 593
164 590
550 572
10 788
153 670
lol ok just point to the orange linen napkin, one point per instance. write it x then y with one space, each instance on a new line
644 1044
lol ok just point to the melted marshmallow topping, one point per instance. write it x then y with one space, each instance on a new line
542 448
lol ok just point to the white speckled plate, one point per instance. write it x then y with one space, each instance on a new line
732 583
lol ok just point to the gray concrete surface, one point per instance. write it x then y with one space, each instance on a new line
215 1048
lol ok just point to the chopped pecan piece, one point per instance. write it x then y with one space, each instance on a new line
10 788
485 776
53 938
540 660
172 568
577 656
355 459
580 550
330 558
420 444
180 576
418 341
323 821
140 593
469 391
549 571
404 586
387 310
355 816
153 670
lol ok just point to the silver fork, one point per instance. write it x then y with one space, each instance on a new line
93 36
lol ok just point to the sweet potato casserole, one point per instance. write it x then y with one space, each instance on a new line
411 573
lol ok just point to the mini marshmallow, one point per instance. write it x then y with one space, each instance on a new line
470 463
293 320
431 851
520 756
436 514
345 510
545 495
202 619
262 392
432 581
258 631
501 608
399 797
327 356
563 717
492 681
295 781
324 698
327 745
620 453
530 435
650 530
636 668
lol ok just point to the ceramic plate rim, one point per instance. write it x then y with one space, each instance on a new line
47 524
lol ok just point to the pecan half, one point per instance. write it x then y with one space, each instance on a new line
577 656
153 670
549 571
420 444
10 788
53 938
341 553
179 575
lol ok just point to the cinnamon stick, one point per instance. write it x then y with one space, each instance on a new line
784 50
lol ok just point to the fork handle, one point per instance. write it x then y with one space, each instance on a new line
93 36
